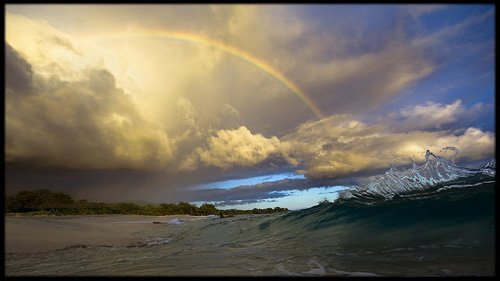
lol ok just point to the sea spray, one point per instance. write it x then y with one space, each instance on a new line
434 170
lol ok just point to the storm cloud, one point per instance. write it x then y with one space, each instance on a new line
85 124
93 96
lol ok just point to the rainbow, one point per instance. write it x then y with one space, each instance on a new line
245 56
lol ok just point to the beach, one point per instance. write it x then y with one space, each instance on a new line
445 230
45 233
436 232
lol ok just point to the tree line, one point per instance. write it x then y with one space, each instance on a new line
45 202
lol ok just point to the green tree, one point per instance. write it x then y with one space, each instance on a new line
169 209
128 208
186 208
208 209
151 210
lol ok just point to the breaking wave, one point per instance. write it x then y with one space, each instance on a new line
435 170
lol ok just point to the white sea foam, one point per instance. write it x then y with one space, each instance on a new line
280 267
157 241
316 268
175 221
355 273
489 168
463 185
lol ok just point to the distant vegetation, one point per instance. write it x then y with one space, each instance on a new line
45 202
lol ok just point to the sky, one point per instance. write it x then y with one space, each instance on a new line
240 105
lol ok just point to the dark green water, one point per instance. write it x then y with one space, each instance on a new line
431 232
448 230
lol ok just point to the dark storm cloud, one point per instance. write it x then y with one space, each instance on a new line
83 124
18 72
242 202
258 191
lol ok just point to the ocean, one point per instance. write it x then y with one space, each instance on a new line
436 219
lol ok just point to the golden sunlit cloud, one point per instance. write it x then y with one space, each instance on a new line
339 145
232 50
239 147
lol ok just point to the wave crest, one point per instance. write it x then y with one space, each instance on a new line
434 171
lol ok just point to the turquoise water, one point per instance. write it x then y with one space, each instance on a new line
444 230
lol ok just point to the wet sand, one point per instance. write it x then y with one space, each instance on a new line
34 234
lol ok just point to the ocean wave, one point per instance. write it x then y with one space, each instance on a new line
436 170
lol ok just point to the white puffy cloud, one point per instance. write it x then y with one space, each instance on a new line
432 115
434 112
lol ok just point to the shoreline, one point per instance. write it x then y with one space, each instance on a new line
46 233
90 215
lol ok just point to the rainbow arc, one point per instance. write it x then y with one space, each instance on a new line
229 49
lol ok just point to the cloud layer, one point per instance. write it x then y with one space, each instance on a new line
80 97
341 145
84 124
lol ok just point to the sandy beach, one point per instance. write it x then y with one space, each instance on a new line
33 234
